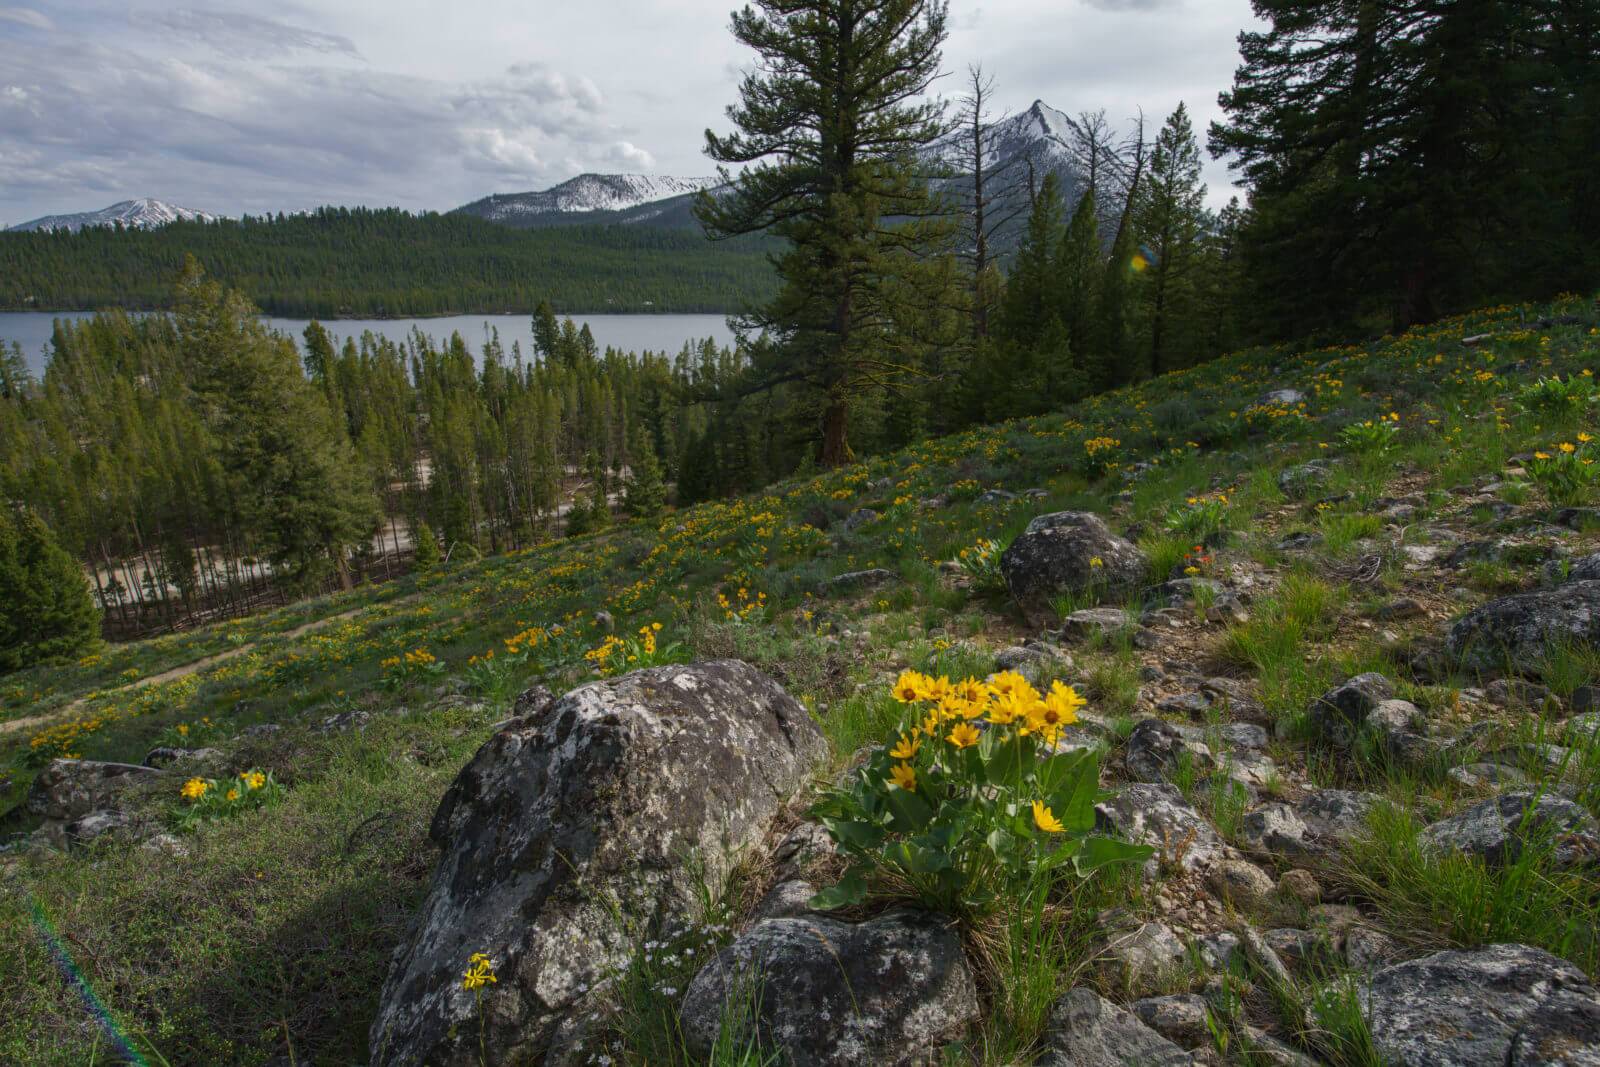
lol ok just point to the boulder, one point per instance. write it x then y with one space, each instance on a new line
859 518
68 788
1241 883
1155 748
1315 827
1180 1018
1518 631
856 581
1586 569
1496 1006
1297 483
1138 958
1339 714
558 822
1097 622
1497 829
1055 556
1157 815
825 993
1087 1030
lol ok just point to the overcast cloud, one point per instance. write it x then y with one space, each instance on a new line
428 105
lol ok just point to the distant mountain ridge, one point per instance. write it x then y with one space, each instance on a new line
591 198
142 214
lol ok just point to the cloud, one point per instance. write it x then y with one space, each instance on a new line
1133 5
26 16
625 154
245 36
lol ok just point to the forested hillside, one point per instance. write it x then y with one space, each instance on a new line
360 262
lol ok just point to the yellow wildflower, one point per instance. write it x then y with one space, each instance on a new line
907 748
965 735
904 775
195 788
1045 819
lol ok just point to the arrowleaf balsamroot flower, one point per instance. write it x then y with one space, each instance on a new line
965 735
907 747
1045 819
195 788
904 776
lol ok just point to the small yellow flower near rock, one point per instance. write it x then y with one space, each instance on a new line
479 972
195 788
1541 455
1585 438
253 779
965 735
904 775
1568 447
1096 561
232 794
1045 819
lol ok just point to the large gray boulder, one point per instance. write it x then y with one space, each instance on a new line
824 993
1087 1030
1056 555
1516 632
1498 829
1159 816
1496 1006
1316 827
1339 715
68 788
593 808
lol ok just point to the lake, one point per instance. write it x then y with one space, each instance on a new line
629 333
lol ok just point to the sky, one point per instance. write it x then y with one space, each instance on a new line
249 107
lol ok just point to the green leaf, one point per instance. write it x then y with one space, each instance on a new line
911 812
1097 852
1072 799
915 858
852 889
1006 762
853 834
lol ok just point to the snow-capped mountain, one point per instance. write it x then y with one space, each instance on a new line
144 214
585 194
1041 134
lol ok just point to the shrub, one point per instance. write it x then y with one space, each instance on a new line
46 610
207 800
1372 438
982 564
1568 474
971 800
1552 396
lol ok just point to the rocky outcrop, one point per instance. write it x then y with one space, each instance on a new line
1516 632
1498 829
561 821
1315 827
1157 815
1069 553
824 993
68 788
1338 715
1488 1007
1087 1030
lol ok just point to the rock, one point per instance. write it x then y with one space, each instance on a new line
532 701
1517 693
1234 695
1140 958
1581 519
1487 1007
353 719
1397 726
164 756
1268 1051
1314 828
1300 949
1286 398
1218 950
1487 775
1086 1030
86 828
859 518
557 821
833 994
1097 622
1298 483
1190 704
168 844
1585 698
1519 630
1365 948
1299 541
604 622
68 788
1258 952
1156 748
1240 883
1338 715
1404 607
1581 729
996 496
1034 663
1300 885
1157 815
799 849
1180 1018
855 581
1055 556
1586 569
1497 829
785 900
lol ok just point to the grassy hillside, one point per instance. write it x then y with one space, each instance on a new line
270 931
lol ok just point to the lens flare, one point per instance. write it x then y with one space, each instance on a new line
91 1002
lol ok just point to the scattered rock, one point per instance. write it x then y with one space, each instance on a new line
1056 556
604 622
1258 952
1157 815
1517 693
68 788
1485 1007
1036 664
1240 883
1140 958
833 994
859 518
532 701
1086 1030
168 844
1518 630
1315 827
1497 829
1097 622
786 900
1299 541
164 756
556 821
1298 483
1339 714
1404 607
854 581
1156 748
86 828
1180 1018
996 496
1191 704
1300 885
799 849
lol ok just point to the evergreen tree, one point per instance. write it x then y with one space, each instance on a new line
1169 218
46 610
1079 267
827 125
646 491
427 548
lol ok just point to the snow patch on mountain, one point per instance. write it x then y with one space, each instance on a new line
143 214
590 192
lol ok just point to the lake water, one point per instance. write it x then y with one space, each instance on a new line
629 333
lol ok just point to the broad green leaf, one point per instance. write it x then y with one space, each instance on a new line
852 889
852 834
1006 763
911 812
1099 851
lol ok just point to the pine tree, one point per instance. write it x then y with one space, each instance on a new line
646 491
827 125
46 610
1079 266
1169 218
427 548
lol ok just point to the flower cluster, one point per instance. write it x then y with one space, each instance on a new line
479 972
743 606
209 800
1567 473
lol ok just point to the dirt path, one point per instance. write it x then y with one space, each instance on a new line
173 673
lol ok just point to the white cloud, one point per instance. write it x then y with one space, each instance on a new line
625 154
26 16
